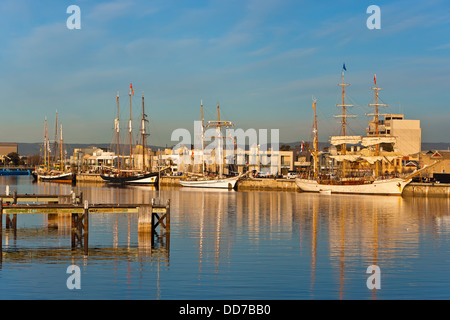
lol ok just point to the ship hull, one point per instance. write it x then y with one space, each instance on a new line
139 179
381 187
228 183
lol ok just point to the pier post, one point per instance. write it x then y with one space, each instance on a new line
145 219
150 217
168 216
145 235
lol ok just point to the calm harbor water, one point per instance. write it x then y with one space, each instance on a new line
233 245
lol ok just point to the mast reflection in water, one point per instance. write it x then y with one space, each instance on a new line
233 245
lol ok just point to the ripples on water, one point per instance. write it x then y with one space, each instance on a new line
233 245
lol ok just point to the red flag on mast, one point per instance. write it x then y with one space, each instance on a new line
375 79
131 89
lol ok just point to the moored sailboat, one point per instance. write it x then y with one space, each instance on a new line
132 176
375 184
51 172
220 181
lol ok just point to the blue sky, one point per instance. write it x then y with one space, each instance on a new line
262 60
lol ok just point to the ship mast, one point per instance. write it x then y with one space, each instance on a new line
46 149
344 107
203 142
316 143
144 134
129 123
218 125
56 140
61 147
376 116
219 136
117 132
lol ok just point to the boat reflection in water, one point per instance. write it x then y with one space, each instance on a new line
241 245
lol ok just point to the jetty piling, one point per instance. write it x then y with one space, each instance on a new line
80 229
151 216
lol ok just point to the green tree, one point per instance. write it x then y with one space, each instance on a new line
13 158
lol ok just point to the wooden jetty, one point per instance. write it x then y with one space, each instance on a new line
151 216
15 198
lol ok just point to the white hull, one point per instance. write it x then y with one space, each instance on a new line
228 183
389 186
56 177
148 180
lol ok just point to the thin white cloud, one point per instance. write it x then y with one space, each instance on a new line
442 47
110 10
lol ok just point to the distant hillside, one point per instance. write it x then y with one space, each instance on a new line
435 146
26 149
425 145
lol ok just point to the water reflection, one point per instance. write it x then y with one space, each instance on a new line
268 244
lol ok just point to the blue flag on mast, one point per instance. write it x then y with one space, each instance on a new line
343 67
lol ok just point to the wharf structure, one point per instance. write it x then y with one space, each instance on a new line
59 207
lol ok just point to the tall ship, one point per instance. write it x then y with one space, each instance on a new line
219 181
53 169
119 175
358 173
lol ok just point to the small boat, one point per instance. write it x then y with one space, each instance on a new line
219 182
135 178
325 191
67 177
225 183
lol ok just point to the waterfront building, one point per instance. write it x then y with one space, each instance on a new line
91 159
266 162
407 133
430 157
6 148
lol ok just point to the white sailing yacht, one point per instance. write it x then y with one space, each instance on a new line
356 185
219 181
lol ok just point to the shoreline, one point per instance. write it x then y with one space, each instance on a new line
413 189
